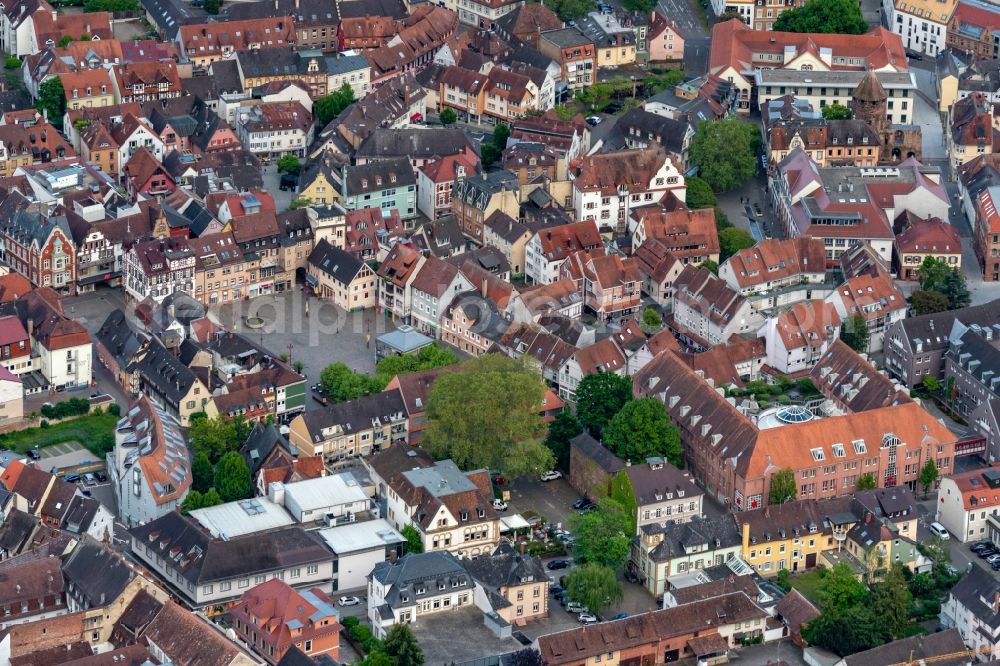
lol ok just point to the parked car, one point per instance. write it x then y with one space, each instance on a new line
557 564
995 566
620 616
349 601
576 607
556 588
593 121
551 475
631 577
71 478
499 505
85 490
995 557
589 507
89 479
986 552
34 454
587 618
101 477
939 530
580 503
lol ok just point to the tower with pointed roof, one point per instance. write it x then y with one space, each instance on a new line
869 102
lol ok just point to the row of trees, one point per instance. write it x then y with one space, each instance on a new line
784 487
341 383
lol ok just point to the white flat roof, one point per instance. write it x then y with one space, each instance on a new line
234 519
325 491
355 537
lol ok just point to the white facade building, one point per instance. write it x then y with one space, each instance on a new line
965 502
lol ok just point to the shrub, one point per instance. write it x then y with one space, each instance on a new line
783 400
114 409
43 424
350 622
12 63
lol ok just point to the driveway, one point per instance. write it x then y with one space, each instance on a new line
553 500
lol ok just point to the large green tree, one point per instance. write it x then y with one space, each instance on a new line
832 16
196 500
699 194
783 486
929 475
599 397
725 152
854 333
928 302
956 289
840 590
485 414
594 585
329 107
932 274
401 644
214 437
866 482
562 429
342 384
448 116
413 543
892 602
837 112
202 474
571 9
429 357
232 478
599 534
845 632
732 240
642 429
52 100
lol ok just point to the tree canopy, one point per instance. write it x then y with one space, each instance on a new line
562 429
448 116
599 536
854 333
936 276
831 16
783 486
198 500
202 474
288 163
232 478
837 112
928 302
329 107
401 645
641 429
485 414
929 475
700 194
571 9
599 397
732 240
214 437
866 482
413 544
342 384
52 100
725 152
594 585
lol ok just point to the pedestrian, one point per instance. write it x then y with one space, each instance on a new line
368 340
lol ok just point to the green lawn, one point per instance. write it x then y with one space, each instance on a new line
96 432
808 584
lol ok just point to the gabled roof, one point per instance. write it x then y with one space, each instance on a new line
97 574
342 266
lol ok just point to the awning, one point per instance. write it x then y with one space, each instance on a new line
515 522
311 279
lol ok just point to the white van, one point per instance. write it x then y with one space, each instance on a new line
939 530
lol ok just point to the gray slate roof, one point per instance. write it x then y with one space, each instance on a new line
379 175
418 575
96 574
678 539
340 265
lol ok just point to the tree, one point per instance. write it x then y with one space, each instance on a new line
641 6
783 486
599 397
201 472
448 116
489 154
853 630
12 62
341 384
700 194
298 367
289 163
213 437
52 101
526 657
652 319
64 41
429 357
928 475
830 16
956 290
500 135
571 9
485 414
641 429
732 240
401 644
599 536
213 6
562 429
413 544
710 266
196 500
854 333
839 590
725 152
928 302
866 482
892 602
377 658
329 107
932 274
730 15
931 383
595 586
837 112
232 478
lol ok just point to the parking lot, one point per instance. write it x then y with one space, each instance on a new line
553 500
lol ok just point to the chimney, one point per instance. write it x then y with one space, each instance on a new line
868 517
484 287
31 326
86 29
55 15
